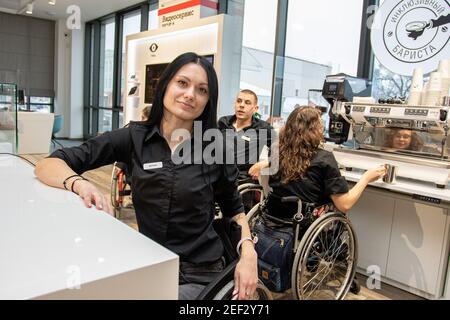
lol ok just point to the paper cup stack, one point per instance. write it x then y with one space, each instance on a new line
433 96
416 87
444 69
423 99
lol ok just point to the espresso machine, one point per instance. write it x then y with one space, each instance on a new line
337 89
415 138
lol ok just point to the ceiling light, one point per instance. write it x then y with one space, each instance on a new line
29 8
52 2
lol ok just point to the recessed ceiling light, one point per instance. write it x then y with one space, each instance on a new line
52 2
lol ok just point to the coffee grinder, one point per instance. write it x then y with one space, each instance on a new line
340 88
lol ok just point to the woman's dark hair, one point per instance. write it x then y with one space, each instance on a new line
209 115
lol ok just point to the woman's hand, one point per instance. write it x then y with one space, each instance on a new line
255 169
246 272
92 196
375 173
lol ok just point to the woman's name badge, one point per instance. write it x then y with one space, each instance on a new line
245 138
153 165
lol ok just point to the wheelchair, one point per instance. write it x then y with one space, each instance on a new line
120 189
324 252
223 286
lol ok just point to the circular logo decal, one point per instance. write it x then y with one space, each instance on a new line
410 34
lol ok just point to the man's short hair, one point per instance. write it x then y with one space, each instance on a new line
248 91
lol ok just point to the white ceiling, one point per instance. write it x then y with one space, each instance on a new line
89 9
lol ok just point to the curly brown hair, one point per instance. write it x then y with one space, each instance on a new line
299 140
416 143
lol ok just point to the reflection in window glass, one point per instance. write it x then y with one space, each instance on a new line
153 20
131 24
40 108
45 100
107 64
104 120
322 38
258 41
400 140
386 84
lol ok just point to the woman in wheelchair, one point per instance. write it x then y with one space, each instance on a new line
308 171
174 202
307 184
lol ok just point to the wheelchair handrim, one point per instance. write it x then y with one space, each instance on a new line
306 247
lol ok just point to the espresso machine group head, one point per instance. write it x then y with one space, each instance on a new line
340 88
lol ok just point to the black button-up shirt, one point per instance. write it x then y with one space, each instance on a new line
252 139
174 203
321 180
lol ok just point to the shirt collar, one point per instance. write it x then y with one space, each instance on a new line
152 131
252 125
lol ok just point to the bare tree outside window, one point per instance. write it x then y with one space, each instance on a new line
386 84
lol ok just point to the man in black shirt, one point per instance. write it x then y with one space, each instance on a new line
246 132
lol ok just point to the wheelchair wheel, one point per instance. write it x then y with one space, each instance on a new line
325 262
119 189
261 292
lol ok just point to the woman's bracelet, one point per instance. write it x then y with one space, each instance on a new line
70 177
254 240
75 180
67 179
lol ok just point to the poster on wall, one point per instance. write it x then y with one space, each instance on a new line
409 34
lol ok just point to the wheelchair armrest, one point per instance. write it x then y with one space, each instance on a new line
289 199
253 186
299 204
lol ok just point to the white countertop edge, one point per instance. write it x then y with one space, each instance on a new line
404 186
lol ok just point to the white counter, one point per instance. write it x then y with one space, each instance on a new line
50 243
403 185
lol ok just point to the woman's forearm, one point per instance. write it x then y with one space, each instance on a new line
53 172
247 246
344 202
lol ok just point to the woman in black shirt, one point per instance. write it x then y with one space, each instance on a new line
174 200
306 170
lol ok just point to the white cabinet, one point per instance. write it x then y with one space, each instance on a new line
372 218
417 245
407 239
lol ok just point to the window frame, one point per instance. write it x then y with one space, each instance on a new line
92 66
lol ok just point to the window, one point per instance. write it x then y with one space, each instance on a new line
41 104
153 19
257 51
386 84
107 64
322 38
106 74
131 24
